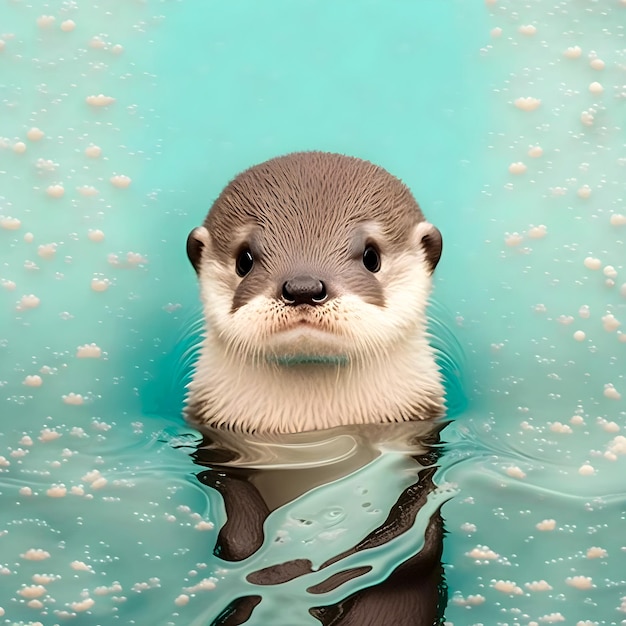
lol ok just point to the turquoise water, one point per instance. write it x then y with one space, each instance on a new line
95 477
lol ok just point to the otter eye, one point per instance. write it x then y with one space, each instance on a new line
371 259
245 261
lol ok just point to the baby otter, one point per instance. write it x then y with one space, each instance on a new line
315 273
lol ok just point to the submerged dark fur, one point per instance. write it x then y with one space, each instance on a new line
414 594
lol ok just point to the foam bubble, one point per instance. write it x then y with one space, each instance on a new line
81 566
580 582
507 586
483 553
93 151
96 235
9 223
515 472
592 264
546 525
470 600
617 446
538 585
597 64
35 554
32 591
596 88
28 302
586 470
611 392
103 590
535 152
99 483
55 191
87 190
587 118
517 168
43 579
120 181
580 335
135 258
527 104
527 30
99 284
99 101
67 26
610 427
513 239
89 351
551 618
48 434
97 43
33 381
596 553
610 323
46 165
75 399
57 491
92 476
34 134
206 584
47 251
45 21
538 232
573 52
82 605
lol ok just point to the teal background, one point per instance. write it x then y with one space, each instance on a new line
205 89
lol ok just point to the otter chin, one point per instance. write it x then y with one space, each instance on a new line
315 271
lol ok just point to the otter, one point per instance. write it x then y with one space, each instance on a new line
315 272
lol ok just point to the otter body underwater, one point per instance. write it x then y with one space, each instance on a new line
315 273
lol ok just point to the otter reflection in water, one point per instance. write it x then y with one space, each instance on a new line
343 525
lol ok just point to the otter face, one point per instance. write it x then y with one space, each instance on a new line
314 258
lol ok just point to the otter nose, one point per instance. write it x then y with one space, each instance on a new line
304 290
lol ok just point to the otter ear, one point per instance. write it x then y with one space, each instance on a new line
198 238
429 239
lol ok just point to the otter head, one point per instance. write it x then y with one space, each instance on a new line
309 265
